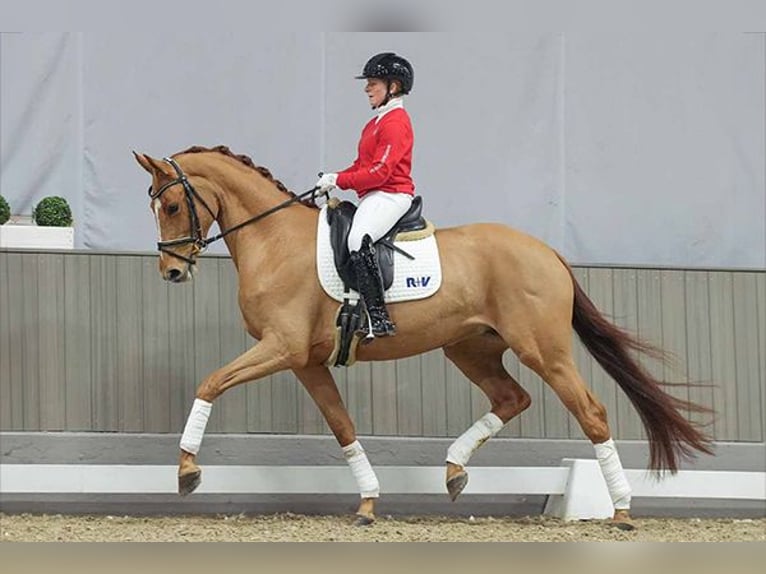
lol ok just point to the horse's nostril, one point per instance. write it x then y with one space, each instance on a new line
174 274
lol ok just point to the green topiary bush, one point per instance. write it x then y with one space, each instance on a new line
52 211
5 210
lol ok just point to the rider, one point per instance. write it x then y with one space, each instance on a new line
381 177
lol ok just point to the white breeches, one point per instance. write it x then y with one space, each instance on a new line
377 213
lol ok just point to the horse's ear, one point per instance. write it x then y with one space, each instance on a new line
152 165
143 161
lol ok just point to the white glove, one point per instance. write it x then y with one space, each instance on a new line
327 182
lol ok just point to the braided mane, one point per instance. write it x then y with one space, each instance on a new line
244 160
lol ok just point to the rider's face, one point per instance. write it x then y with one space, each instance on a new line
376 91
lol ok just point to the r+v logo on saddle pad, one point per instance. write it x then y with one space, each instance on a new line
418 281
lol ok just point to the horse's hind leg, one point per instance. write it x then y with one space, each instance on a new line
319 383
549 354
481 360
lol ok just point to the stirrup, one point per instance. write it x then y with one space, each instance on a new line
369 335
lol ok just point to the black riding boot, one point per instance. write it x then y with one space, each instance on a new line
370 282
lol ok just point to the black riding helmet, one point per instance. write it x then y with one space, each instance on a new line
388 66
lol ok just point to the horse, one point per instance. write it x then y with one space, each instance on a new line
501 289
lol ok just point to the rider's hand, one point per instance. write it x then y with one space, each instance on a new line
327 182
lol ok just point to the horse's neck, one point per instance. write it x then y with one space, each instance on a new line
270 236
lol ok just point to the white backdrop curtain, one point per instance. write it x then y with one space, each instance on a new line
613 148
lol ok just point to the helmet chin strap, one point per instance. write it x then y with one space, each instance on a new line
389 95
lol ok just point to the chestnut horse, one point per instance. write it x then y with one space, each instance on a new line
501 289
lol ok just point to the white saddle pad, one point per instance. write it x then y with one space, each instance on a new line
413 279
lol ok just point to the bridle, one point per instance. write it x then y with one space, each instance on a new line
190 193
196 238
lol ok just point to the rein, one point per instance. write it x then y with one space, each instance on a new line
196 230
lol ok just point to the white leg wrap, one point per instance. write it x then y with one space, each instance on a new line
611 468
362 471
461 450
195 426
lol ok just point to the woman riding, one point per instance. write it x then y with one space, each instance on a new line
381 177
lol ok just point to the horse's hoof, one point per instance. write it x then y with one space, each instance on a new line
188 483
363 520
456 484
623 521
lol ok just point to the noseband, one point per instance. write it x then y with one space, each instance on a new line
196 238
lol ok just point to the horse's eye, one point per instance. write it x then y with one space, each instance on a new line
172 209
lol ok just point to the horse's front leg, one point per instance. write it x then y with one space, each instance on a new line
320 384
265 358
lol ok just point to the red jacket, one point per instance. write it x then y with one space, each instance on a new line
384 158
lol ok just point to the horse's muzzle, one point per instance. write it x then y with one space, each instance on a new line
176 275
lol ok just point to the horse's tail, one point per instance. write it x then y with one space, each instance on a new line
671 435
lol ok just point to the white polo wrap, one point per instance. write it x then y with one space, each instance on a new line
362 470
614 475
486 427
195 426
